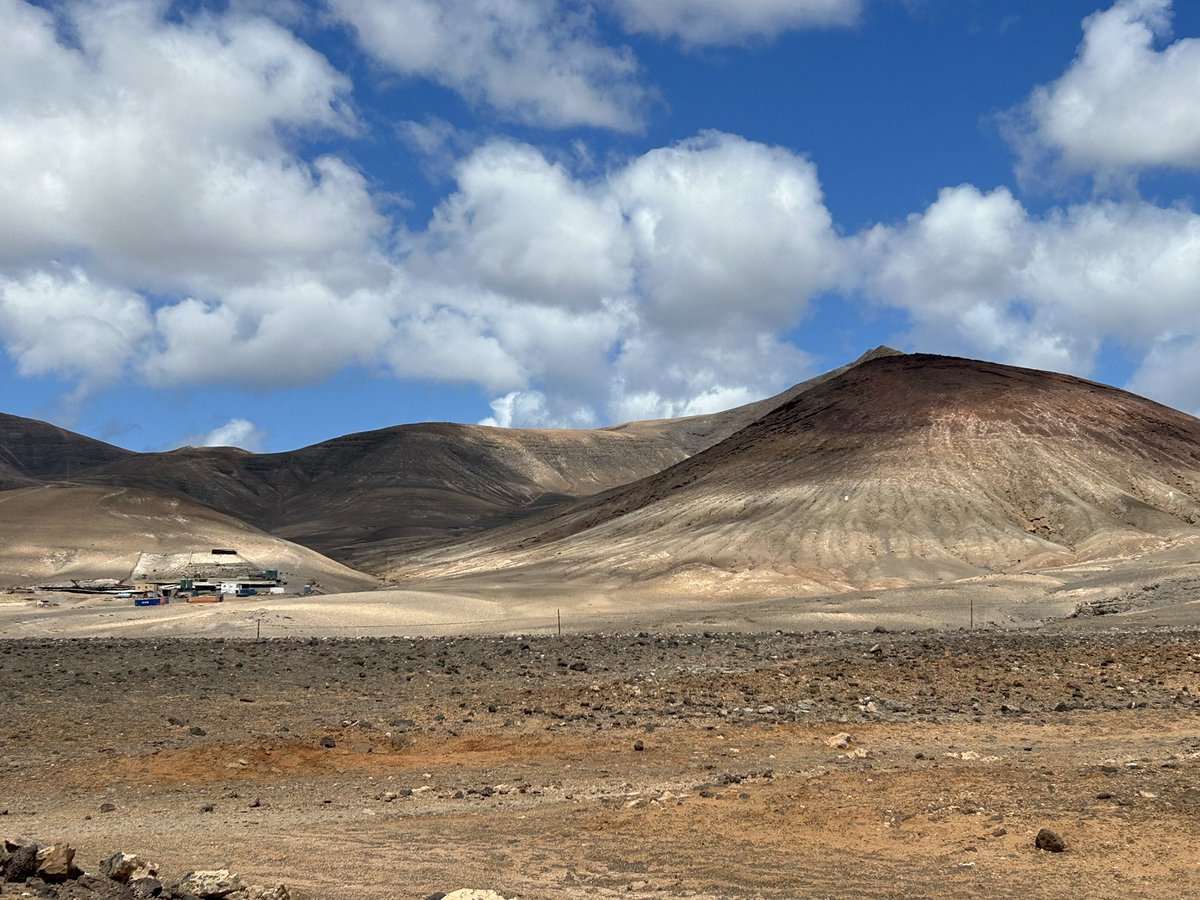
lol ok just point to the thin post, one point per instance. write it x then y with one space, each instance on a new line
559 612
972 613
258 631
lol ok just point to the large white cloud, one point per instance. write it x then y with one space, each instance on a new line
658 288
536 61
1123 103
978 274
158 158
726 228
64 324
158 151
523 226
699 22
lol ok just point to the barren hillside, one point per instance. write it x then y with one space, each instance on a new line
368 498
903 470
31 451
71 531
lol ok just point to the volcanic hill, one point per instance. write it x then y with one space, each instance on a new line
367 499
902 470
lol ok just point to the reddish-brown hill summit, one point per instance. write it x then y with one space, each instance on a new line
903 469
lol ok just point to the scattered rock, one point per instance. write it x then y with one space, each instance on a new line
57 863
108 807
197 731
20 863
840 741
126 867
278 892
146 888
327 742
209 885
638 745
1050 841
471 894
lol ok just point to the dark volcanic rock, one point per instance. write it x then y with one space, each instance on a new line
1050 841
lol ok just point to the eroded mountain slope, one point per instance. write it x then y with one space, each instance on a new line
902 470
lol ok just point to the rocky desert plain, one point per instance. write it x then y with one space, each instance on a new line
921 627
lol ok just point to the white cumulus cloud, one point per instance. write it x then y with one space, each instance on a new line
157 150
980 275
536 61
62 323
657 288
1127 101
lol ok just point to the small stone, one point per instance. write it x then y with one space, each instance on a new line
108 807
471 894
639 746
327 742
1050 841
278 892
197 731
840 741
207 808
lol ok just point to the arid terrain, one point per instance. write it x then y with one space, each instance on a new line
772 765
865 638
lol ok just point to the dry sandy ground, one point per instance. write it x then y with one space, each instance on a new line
1155 589
510 763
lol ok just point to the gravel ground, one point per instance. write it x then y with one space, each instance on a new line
632 765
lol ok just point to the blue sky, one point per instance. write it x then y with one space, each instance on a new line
269 223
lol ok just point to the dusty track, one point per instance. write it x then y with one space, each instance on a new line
519 757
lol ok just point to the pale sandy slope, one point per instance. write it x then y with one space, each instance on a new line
60 531
904 470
